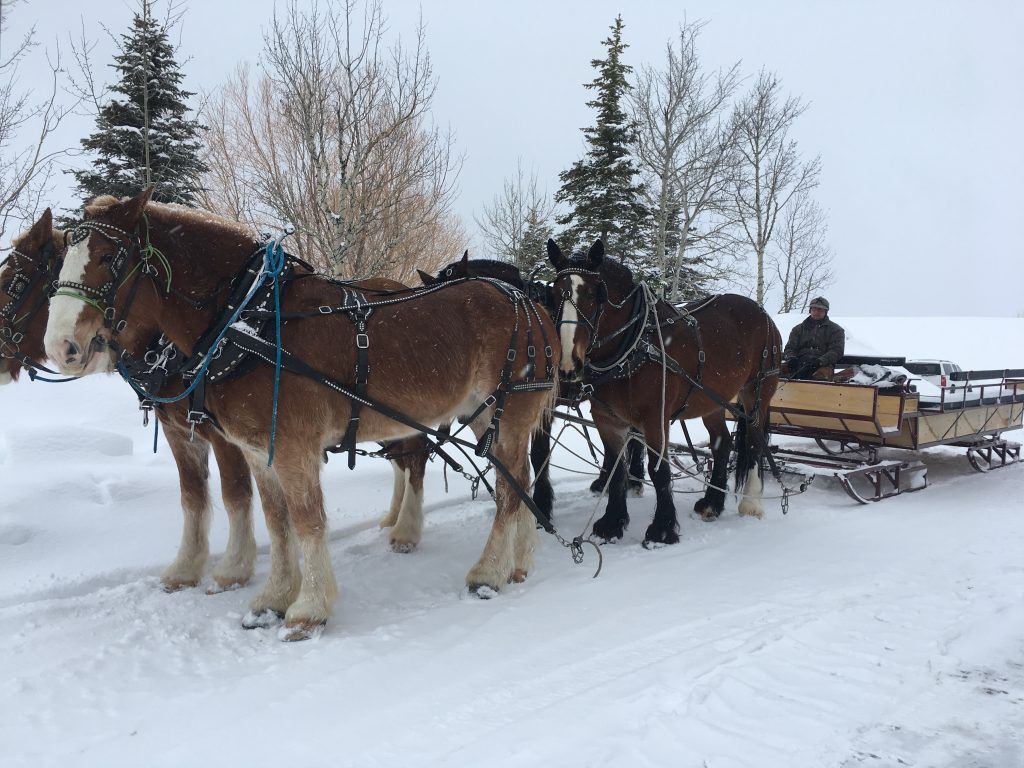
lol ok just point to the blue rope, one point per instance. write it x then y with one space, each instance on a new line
264 274
276 262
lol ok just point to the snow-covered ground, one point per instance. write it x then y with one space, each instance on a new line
837 635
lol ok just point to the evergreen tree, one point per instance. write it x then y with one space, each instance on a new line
533 256
602 190
143 136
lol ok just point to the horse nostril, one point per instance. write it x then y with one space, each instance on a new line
71 351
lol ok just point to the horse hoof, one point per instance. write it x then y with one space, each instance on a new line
264 619
609 534
402 547
518 576
483 591
658 536
227 585
176 585
636 490
300 630
709 515
597 487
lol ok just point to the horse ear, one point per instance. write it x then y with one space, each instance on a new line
555 256
465 261
596 254
132 209
426 278
41 232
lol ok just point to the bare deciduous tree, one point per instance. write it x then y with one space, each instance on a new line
521 208
771 171
686 154
26 129
336 139
802 261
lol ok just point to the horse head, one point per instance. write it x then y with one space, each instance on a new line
99 274
582 294
26 279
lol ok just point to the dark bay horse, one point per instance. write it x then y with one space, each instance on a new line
29 273
434 358
540 448
650 364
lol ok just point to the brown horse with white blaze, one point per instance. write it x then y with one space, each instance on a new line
29 272
650 364
434 358
26 280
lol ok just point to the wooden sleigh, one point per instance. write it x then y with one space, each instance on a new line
850 423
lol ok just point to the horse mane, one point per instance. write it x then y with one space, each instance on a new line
613 271
499 270
174 213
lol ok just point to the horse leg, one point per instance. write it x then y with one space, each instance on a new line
540 450
748 459
408 527
664 529
282 585
192 459
508 553
612 525
635 481
397 493
713 502
235 567
299 473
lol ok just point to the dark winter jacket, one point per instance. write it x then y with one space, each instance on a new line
816 341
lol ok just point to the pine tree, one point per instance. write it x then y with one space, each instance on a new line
533 256
602 190
144 136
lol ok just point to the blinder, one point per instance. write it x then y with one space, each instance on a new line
19 289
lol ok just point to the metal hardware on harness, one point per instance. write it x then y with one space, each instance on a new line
195 418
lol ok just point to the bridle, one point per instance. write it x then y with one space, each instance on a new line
102 298
20 289
592 322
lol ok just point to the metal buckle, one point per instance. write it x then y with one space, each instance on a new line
511 355
362 341
325 310
109 313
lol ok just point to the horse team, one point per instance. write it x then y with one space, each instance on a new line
332 363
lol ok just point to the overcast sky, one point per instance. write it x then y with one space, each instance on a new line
915 108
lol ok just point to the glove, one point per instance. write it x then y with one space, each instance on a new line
819 363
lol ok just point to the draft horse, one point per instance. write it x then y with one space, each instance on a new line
26 281
441 355
650 364
540 447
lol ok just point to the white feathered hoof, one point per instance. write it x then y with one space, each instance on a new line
751 508
484 583
750 504
178 582
299 631
401 546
